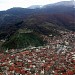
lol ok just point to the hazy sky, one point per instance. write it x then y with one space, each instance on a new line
6 4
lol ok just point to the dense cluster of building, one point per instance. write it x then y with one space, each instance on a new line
56 58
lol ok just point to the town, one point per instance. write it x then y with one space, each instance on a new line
55 58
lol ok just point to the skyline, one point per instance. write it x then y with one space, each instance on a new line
7 4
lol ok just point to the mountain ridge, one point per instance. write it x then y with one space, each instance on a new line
45 21
63 3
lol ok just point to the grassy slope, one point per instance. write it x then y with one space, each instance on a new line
22 40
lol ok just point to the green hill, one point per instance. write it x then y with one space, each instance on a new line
22 40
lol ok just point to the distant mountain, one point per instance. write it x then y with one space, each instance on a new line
50 19
66 3
35 7
63 3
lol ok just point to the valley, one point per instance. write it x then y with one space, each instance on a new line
38 40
